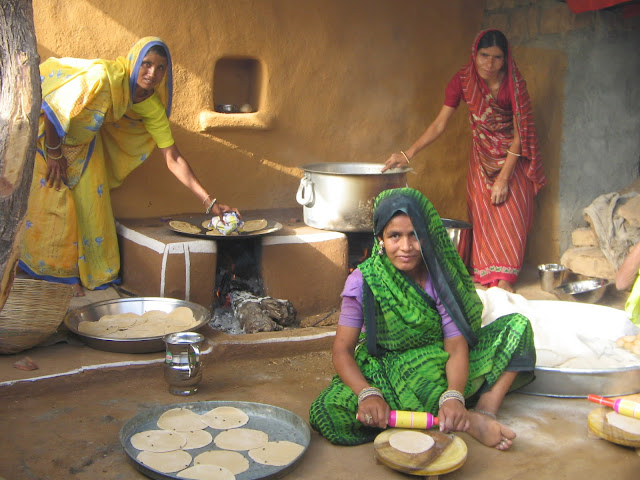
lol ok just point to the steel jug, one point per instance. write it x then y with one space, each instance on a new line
182 364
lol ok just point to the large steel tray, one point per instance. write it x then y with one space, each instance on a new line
93 312
278 423
605 322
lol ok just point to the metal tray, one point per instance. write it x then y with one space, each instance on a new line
605 322
278 423
197 220
139 305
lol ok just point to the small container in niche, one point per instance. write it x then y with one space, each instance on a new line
226 108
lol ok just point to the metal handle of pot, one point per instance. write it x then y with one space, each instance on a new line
305 191
193 358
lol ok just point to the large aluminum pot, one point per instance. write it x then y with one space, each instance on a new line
339 196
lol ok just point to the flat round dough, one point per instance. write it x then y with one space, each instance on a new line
181 420
206 223
627 424
207 472
184 227
410 441
254 225
278 453
196 439
165 462
224 418
241 439
234 461
158 441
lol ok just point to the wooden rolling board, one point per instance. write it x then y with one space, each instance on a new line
448 454
599 425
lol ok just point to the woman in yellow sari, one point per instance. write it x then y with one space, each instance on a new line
100 119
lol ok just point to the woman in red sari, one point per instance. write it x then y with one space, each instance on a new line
505 171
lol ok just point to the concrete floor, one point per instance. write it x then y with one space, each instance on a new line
62 421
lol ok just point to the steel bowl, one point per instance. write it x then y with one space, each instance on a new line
552 275
585 291
139 305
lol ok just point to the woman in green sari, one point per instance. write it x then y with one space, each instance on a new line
410 336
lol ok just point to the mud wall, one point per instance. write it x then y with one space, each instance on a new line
331 80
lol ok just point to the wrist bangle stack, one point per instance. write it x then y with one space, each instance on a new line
513 153
210 206
405 156
369 392
448 395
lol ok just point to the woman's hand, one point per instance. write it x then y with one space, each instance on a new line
219 208
453 417
394 161
373 411
499 191
56 171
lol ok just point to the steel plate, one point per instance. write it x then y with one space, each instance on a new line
139 305
198 219
278 423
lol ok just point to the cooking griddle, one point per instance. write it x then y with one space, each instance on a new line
278 423
198 219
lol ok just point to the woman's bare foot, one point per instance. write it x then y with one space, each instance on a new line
77 290
503 284
489 431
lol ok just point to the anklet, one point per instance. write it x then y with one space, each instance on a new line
489 414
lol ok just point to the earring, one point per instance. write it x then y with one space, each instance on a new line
380 247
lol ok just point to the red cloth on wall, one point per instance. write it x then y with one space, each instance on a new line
580 6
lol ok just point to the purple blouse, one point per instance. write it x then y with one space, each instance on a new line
351 313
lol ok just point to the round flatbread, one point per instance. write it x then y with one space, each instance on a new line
224 418
207 472
254 225
184 227
158 441
196 439
628 424
241 439
181 420
234 461
206 223
411 442
278 453
165 462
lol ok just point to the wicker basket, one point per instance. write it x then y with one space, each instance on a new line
33 311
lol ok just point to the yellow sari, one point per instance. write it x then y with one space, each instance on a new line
70 234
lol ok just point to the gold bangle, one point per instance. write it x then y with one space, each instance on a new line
53 148
405 156
210 206
54 158
513 153
205 199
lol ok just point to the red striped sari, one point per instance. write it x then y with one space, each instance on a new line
499 231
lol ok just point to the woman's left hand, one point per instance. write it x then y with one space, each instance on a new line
453 417
499 191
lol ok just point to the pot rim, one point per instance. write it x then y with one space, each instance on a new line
333 168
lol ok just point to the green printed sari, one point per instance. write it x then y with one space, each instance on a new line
405 356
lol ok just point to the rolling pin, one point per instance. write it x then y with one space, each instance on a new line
404 419
621 406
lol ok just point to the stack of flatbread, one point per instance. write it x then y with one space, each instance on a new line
233 447
154 323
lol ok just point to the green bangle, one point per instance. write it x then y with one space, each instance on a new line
210 206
